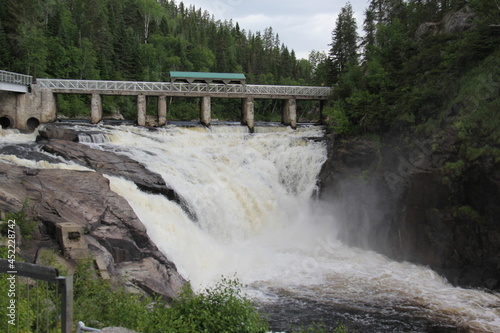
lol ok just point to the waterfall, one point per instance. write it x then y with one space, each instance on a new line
254 216
240 186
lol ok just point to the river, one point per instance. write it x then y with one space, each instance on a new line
250 211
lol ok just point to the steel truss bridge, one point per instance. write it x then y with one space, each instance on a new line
34 102
183 89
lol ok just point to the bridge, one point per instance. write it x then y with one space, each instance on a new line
35 102
14 82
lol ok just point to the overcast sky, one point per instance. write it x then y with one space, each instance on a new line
302 25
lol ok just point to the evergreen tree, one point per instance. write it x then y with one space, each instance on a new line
344 45
369 28
5 49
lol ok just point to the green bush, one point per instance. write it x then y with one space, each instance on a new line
338 119
454 169
218 309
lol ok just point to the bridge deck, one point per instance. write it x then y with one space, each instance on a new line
15 82
184 89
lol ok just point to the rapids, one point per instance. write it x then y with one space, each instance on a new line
249 210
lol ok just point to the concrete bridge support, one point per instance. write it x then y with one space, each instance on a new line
289 116
141 110
205 111
162 110
25 111
96 109
247 113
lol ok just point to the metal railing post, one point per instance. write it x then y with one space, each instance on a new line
66 303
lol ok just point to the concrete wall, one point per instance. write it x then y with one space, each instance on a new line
27 111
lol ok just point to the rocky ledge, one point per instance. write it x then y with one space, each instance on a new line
112 233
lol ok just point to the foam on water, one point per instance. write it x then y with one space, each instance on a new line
251 194
248 209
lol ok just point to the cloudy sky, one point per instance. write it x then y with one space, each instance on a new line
302 25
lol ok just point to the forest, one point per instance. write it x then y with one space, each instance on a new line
424 68
141 40
416 58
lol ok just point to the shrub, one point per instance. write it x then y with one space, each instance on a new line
23 221
218 309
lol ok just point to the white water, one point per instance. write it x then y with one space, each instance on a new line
252 213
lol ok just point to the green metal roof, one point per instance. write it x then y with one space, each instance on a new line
207 75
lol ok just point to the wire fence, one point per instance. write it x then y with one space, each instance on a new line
36 298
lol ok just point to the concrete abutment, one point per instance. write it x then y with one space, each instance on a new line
26 111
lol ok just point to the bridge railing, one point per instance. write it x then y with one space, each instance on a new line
180 87
288 90
10 77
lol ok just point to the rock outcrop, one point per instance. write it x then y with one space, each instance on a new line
412 202
113 232
454 22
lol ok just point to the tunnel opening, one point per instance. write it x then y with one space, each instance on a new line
6 122
32 123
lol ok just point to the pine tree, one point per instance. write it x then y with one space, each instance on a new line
370 29
5 49
344 42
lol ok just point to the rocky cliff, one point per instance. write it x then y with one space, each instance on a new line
113 234
414 200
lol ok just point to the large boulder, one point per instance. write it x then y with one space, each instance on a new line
113 232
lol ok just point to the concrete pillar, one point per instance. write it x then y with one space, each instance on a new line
96 109
247 113
141 110
162 110
48 112
20 116
290 113
205 116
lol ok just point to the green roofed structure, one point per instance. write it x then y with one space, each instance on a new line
206 77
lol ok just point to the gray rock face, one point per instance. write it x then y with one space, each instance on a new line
395 199
113 231
454 22
111 164
459 21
